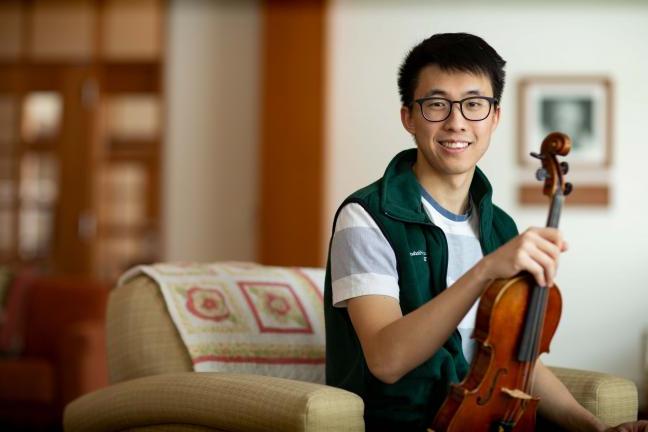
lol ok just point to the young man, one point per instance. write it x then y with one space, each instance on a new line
412 252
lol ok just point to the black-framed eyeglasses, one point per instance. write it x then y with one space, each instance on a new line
474 108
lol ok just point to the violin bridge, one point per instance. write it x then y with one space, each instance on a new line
517 394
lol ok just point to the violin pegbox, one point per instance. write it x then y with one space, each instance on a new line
552 172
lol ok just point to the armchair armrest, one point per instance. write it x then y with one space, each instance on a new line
222 401
612 399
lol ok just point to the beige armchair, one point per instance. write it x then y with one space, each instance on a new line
154 387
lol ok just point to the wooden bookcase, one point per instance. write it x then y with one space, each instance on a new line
81 123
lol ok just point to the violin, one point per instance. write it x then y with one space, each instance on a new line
516 320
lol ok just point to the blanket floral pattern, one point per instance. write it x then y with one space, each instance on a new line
245 317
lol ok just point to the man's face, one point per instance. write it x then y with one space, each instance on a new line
454 146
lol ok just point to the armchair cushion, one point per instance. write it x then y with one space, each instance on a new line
612 399
173 427
218 401
138 330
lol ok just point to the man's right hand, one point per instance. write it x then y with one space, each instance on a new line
536 250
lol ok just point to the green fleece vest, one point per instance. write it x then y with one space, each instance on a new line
394 202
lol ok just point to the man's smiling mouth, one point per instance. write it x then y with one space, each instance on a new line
454 144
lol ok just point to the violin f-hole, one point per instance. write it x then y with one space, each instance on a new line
491 389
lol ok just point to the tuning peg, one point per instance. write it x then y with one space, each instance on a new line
564 167
537 155
568 189
541 174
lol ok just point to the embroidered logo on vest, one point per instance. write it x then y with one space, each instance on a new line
419 253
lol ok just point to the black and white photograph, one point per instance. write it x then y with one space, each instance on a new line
577 106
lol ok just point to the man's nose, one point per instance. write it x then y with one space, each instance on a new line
455 120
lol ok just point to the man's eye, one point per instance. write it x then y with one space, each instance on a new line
474 104
436 105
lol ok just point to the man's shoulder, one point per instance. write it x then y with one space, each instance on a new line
366 196
366 192
367 200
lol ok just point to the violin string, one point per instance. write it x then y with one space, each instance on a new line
538 303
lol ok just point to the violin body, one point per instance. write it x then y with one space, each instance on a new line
489 398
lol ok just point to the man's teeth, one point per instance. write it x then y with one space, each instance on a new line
454 144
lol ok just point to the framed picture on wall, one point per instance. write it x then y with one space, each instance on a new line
579 106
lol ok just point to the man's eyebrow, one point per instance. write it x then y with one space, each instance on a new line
435 92
439 92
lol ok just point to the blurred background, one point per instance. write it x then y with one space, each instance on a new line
136 131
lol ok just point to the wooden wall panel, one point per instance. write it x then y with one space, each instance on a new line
582 195
292 122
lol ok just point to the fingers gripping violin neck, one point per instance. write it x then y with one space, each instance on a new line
516 320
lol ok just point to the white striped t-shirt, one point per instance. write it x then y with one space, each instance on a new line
363 262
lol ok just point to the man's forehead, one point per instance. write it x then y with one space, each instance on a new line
443 93
433 81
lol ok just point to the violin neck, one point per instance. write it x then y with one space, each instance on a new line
556 208
539 295
530 343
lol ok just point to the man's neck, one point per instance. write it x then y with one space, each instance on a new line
451 192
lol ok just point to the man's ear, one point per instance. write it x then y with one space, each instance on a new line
406 119
496 117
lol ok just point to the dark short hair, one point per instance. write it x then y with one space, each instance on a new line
451 52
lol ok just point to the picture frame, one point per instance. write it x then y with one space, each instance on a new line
580 106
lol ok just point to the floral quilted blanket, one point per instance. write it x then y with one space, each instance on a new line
245 317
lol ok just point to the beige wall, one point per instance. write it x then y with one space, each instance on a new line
604 276
212 87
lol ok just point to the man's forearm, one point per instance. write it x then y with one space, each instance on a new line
559 406
410 340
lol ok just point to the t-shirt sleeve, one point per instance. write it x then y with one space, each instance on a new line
362 260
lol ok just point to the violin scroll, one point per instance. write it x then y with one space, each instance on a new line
552 172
